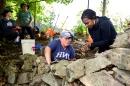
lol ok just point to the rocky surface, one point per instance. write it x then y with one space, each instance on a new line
110 68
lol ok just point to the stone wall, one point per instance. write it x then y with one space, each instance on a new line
110 68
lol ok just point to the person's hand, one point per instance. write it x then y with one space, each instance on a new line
73 59
85 47
18 27
30 25
48 67
89 43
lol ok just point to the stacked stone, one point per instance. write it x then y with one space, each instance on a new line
110 68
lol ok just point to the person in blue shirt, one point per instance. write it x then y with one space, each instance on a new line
60 49
101 30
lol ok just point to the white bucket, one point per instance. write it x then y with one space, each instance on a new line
28 46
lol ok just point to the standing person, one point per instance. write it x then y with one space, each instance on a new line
24 19
60 49
8 28
100 29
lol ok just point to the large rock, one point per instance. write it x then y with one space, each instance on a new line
37 81
24 78
29 62
42 66
120 57
122 76
121 41
98 63
99 79
75 70
50 79
59 68
12 78
12 71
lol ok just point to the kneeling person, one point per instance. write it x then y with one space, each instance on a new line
60 49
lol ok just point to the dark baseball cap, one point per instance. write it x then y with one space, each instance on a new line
6 10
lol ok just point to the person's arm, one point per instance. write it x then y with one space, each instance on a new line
49 50
48 55
31 18
72 55
89 40
88 43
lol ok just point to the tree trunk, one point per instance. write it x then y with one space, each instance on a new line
35 10
88 4
104 7
2 5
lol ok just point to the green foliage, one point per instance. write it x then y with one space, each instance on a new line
59 1
80 30
119 24
47 21
37 8
126 22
